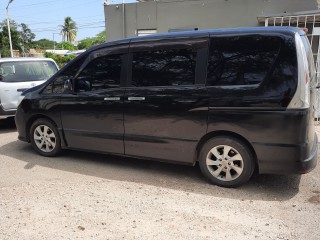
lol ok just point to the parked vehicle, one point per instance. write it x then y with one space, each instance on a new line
18 75
235 100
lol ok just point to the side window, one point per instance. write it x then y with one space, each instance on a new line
56 86
241 60
101 73
170 67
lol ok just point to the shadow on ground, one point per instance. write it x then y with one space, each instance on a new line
165 175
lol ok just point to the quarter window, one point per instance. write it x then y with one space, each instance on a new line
244 60
170 67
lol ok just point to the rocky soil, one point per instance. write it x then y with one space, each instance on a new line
91 196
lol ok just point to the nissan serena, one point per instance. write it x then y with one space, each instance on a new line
234 100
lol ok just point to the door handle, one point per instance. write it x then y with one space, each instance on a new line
111 99
136 98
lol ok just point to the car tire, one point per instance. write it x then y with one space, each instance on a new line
226 161
45 138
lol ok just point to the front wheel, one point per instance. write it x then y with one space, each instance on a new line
226 161
45 138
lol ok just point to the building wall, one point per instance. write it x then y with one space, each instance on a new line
191 14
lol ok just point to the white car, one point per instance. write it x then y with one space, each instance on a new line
18 75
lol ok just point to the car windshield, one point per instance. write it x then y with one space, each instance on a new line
26 71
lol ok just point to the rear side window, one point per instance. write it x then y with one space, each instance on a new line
241 60
167 67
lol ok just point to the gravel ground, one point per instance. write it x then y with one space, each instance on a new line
90 196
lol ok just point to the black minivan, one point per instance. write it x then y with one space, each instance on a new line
234 100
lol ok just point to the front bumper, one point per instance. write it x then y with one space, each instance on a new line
21 125
6 113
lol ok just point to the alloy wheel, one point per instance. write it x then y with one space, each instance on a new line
225 163
44 138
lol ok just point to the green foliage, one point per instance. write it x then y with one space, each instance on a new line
21 37
26 37
60 60
69 30
65 46
102 35
43 44
89 42
4 38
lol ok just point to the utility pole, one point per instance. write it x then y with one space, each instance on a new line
123 21
54 43
9 32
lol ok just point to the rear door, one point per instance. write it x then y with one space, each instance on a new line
165 107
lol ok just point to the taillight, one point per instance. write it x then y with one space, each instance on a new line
301 98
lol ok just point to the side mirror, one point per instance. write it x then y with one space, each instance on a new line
67 86
82 85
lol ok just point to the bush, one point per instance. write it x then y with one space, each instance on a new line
65 46
60 60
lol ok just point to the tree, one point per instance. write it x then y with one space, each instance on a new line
26 36
69 30
43 44
4 38
102 36
21 37
60 60
89 42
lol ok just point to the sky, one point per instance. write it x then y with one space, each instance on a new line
43 17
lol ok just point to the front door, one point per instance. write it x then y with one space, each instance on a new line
92 116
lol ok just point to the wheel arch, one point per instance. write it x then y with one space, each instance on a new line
32 119
213 134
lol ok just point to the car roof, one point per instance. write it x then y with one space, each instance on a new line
24 59
202 33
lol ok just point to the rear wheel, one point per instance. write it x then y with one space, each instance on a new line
45 138
226 161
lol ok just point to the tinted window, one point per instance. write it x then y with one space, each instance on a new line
241 60
101 73
56 86
171 67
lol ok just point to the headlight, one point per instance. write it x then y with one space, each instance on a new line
21 97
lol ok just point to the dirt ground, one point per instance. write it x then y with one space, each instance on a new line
90 196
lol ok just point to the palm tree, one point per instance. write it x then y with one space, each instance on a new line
69 30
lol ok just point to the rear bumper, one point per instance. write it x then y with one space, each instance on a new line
6 113
310 163
282 159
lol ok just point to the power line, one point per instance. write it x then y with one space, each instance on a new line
54 29
81 26
72 6
54 22
96 21
40 3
